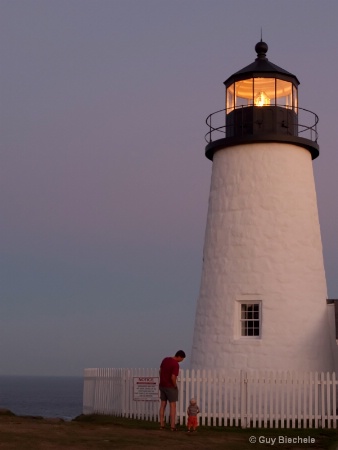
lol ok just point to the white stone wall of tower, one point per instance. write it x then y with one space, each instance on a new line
263 242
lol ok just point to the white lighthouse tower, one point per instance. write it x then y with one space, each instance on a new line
262 302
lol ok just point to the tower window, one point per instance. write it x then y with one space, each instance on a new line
250 319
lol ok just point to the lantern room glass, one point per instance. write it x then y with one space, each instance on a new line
295 99
261 92
264 91
284 93
243 93
230 98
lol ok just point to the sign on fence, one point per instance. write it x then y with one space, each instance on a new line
146 389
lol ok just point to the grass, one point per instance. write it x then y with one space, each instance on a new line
97 432
231 438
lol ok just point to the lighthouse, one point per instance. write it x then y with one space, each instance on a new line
263 295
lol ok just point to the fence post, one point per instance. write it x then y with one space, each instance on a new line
123 392
88 391
334 400
244 398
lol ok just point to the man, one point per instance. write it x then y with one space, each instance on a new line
168 387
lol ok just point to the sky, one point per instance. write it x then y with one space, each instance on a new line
104 182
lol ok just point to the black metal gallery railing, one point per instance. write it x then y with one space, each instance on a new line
256 120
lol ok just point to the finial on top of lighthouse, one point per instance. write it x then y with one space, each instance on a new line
261 49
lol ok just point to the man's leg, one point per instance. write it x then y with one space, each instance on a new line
172 414
162 410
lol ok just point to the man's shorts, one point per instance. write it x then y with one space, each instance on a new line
169 394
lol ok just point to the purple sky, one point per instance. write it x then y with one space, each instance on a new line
104 183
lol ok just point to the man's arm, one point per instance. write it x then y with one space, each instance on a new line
174 380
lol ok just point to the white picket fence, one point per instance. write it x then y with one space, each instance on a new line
226 398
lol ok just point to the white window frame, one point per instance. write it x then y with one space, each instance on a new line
240 319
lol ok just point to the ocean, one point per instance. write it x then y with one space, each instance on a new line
59 397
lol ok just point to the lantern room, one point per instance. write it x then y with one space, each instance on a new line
268 85
262 105
261 98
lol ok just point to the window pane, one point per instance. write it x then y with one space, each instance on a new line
250 319
230 98
244 92
284 93
295 99
264 91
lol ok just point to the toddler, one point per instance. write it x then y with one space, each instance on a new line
192 412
